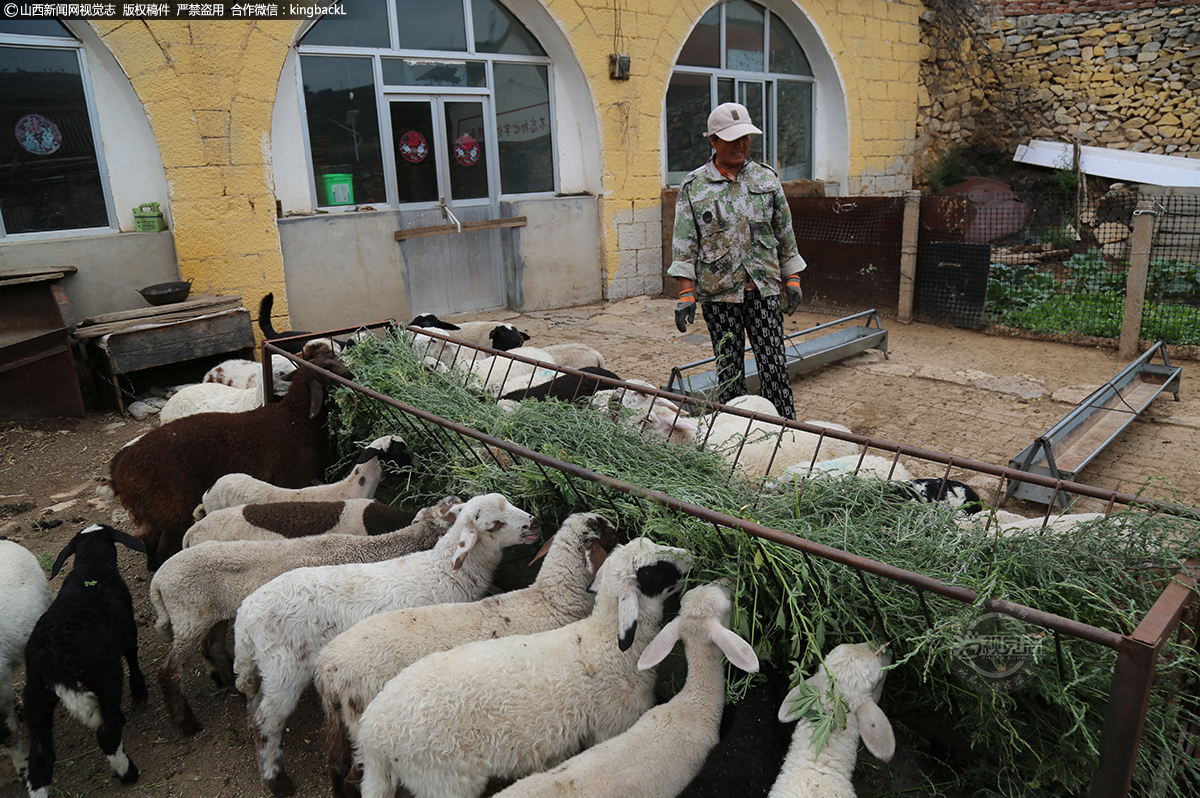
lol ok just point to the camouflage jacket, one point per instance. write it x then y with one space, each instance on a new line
730 232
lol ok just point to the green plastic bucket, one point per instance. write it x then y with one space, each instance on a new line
337 188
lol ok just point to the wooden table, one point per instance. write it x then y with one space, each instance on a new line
118 344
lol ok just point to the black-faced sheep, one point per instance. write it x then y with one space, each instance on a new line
519 705
497 335
282 626
74 655
196 594
162 476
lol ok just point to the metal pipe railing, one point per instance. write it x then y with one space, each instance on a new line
1137 653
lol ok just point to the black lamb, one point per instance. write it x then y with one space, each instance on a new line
75 651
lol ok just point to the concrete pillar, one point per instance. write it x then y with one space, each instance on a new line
908 255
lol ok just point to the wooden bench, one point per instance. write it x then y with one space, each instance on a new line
1067 447
801 354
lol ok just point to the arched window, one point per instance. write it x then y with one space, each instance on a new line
53 177
409 102
741 52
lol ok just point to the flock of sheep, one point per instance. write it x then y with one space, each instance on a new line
428 681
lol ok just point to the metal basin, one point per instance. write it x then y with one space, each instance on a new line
166 293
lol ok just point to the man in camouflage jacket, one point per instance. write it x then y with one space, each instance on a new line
734 250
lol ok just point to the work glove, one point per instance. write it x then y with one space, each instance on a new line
685 310
794 294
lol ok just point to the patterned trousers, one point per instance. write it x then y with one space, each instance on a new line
759 318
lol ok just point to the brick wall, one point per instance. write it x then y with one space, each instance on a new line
1018 8
1125 78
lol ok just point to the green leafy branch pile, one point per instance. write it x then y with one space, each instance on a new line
1041 739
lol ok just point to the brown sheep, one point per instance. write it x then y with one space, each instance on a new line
161 476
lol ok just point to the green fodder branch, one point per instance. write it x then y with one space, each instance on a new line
1040 738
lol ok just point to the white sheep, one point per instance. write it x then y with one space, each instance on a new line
1013 525
764 448
649 411
356 664
574 355
499 374
280 520
871 466
856 672
239 373
660 753
521 704
361 483
282 626
196 594
209 397
24 596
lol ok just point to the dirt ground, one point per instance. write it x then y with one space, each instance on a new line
970 394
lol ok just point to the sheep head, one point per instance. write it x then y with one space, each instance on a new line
703 614
857 671
491 515
639 568
100 530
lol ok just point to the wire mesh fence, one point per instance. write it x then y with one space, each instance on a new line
1054 262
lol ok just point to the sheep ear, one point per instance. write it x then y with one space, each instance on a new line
63 555
542 551
316 399
876 730
627 617
466 541
789 710
129 540
660 646
736 649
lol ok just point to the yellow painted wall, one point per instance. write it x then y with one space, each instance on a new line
209 86
875 44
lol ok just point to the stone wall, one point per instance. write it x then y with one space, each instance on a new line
1122 75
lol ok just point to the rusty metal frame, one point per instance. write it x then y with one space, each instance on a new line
1137 652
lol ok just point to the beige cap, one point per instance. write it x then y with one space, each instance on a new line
729 121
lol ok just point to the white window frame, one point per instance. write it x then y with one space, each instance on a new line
771 94
385 93
69 43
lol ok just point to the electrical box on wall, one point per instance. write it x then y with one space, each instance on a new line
618 66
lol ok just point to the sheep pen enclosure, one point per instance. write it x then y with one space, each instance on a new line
1095 691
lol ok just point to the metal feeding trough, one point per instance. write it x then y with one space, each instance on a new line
166 293
1067 447
800 354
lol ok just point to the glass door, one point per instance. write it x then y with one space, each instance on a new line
753 95
443 158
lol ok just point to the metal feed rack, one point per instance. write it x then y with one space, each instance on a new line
1137 652
802 355
1067 447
